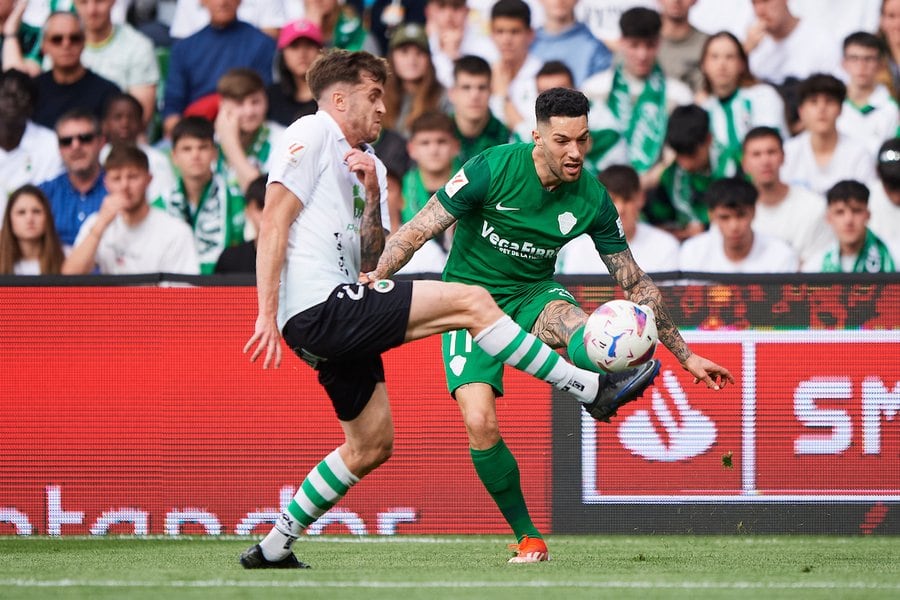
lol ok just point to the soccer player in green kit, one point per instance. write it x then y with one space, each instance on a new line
514 207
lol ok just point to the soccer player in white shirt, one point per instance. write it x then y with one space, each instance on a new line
884 201
731 245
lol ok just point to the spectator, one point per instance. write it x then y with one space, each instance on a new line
603 17
28 241
637 92
126 236
857 249
21 41
197 62
889 30
68 84
732 246
434 148
28 151
513 89
119 53
202 197
299 43
735 100
678 204
821 156
452 36
190 16
123 123
791 213
242 258
568 40
78 192
383 16
869 114
681 43
412 89
884 202
654 250
341 26
476 126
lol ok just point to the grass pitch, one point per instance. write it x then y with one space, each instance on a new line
470 567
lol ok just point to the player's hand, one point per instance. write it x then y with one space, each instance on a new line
363 165
714 376
266 337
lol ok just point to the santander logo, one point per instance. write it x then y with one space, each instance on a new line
687 432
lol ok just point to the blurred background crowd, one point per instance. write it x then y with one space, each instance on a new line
734 136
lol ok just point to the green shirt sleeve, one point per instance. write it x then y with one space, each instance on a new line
607 232
467 190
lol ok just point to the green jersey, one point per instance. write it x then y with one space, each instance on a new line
495 133
510 229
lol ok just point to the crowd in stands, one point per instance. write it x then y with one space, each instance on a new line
748 136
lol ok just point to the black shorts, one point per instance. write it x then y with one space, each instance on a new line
343 338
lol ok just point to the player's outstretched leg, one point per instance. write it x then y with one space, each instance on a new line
617 389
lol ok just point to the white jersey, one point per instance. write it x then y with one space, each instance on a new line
799 220
522 92
35 160
323 246
706 253
872 124
885 219
850 160
654 250
158 244
806 50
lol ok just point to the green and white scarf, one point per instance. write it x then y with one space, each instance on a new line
874 257
645 119
729 121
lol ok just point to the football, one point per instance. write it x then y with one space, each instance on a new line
620 335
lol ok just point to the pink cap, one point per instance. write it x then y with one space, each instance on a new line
301 28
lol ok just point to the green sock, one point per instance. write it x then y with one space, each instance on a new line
578 353
499 472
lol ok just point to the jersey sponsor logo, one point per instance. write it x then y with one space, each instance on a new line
294 153
383 286
566 222
456 183
502 208
523 249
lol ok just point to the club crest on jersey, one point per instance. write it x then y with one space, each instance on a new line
456 183
566 222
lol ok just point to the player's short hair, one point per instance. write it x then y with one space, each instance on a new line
821 84
763 131
512 9
237 84
193 127
866 40
621 181
471 65
688 129
640 23
888 166
555 67
126 155
731 192
79 114
847 190
126 98
432 121
560 102
343 66
256 192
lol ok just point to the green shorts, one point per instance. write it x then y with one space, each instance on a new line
465 362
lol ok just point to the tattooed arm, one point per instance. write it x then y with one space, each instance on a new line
371 233
428 222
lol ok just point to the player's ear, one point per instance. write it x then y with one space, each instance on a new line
536 136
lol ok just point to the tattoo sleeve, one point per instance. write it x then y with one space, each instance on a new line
371 235
558 322
428 222
640 289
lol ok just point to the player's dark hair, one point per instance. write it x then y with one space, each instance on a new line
688 129
847 190
125 155
433 121
79 114
471 65
762 131
731 192
125 98
888 166
555 67
512 9
824 84
621 181
560 102
256 192
193 127
640 23
866 40
343 66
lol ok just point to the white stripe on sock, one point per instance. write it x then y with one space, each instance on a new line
321 486
340 470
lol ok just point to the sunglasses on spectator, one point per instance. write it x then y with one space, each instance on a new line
83 138
74 38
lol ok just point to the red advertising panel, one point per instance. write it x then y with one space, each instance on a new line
133 410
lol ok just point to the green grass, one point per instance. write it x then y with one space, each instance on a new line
457 567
